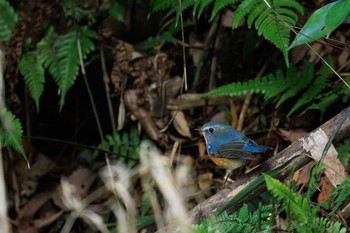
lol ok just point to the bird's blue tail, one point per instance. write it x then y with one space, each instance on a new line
254 148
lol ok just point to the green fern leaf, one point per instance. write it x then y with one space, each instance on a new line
317 86
8 20
254 14
33 72
64 65
159 5
219 5
11 132
325 101
47 48
270 22
184 5
243 9
300 83
201 5
295 204
269 85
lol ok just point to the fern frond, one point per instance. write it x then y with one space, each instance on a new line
125 145
219 5
338 196
184 5
33 72
201 5
299 84
318 85
159 5
8 20
269 85
64 67
10 131
270 22
325 101
47 48
243 9
296 205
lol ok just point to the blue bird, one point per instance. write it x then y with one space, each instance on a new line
227 147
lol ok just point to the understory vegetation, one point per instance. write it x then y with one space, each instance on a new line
100 102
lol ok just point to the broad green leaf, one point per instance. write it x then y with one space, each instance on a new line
314 27
336 15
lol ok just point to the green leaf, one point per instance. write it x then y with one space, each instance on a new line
269 19
336 15
201 4
219 5
11 132
320 83
158 5
33 72
314 27
117 11
299 83
64 65
8 20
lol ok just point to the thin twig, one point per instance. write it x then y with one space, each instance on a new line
108 95
211 34
92 101
183 50
246 103
98 122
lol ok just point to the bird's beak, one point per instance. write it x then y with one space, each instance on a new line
200 130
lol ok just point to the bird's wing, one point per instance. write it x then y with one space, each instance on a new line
234 150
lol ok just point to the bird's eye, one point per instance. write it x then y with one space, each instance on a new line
211 130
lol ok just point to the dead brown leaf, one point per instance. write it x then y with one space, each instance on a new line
181 124
326 190
302 176
142 115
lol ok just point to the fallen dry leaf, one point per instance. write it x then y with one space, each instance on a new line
181 124
326 190
142 115
302 176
